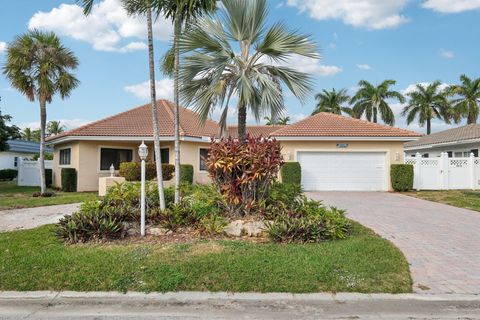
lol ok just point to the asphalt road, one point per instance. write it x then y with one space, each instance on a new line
239 306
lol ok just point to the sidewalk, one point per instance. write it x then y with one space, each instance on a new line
202 305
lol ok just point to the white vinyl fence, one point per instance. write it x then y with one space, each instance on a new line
444 173
29 172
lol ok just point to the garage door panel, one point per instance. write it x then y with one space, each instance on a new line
362 171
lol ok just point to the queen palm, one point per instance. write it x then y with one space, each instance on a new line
145 8
55 127
39 66
370 101
280 121
332 101
180 12
235 55
467 103
427 103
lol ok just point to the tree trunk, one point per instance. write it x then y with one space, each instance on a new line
178 30
153 96
429 126
242 122
41 159
375 110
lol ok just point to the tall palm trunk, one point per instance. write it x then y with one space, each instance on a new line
153 96
242 122
41 159
178 29
471 119
429 126
375 112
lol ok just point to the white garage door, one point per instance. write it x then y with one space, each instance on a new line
352 171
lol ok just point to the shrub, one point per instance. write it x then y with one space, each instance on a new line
291 173
46 156
244 171
186 174
69 180
8 174
401 176
177 216
283 194
48 177
212 224
132 171
204 200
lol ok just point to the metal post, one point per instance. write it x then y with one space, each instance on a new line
142 218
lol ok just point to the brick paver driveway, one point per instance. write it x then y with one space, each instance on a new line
441 243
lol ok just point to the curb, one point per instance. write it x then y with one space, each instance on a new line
225 296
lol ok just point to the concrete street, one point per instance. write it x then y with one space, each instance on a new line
198 305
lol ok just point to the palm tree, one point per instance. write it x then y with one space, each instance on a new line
144 7
370 100
283 121
180 12
468 102
27 134
280 121
332 101
39 66
235 54
427 102
55 127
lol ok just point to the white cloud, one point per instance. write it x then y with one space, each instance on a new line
413 87
370 14
447 54
311 66
364 66
297 117
68 123
451 6
3 46
164 89
107 28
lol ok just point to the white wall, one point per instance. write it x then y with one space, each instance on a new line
7 159
436 152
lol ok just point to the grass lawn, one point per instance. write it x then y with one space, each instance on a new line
13 196
36 260
467 199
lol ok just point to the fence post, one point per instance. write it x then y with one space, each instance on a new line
445 171
471 166
418 160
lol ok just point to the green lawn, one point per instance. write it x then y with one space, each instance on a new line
459 198
13 196
36 260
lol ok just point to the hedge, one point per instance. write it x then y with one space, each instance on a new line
186 173
8 174
132 171
401 176
48 178
291 172
69 180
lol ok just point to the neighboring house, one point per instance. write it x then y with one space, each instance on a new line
19 149
457 142
336 152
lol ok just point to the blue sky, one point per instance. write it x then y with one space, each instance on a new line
411 41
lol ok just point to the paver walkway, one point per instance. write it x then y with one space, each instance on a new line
33 217
441 242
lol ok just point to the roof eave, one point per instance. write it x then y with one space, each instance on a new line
336 138
441 144
123 139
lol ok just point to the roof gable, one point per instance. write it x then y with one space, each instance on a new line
325 124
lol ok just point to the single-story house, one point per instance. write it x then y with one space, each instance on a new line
335 152
19 149
457 142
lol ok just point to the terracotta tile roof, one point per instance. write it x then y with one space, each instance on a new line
255 131
137 122
465 133
332 125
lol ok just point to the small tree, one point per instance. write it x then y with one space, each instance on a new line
7 132
243 172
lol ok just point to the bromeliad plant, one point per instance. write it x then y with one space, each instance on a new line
244 172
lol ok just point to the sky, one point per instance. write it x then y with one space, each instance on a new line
410 41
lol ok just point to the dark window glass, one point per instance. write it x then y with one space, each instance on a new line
425 155
165 155
15 162
475 152
450 154
65 156
203 159
115 157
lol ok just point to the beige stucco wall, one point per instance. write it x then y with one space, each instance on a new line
74 157
393 149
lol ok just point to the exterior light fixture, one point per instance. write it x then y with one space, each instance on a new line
142 153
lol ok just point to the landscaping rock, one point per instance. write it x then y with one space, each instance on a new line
234 228
253 228
157 231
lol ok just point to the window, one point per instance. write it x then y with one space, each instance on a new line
114 156
15 162
425 155
450 154
203 159
65 155
475 152
165 155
